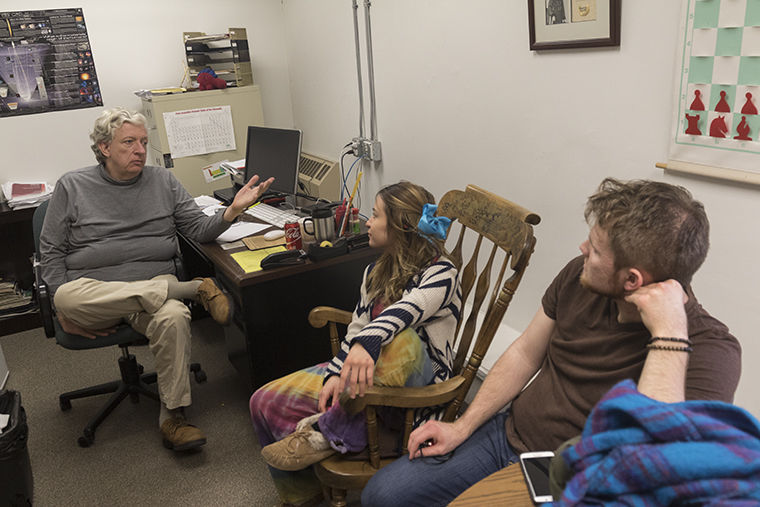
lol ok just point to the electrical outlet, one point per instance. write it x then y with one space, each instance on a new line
357 147
372 150
367 148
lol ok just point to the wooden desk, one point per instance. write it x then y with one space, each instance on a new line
16 249
505 487
270 336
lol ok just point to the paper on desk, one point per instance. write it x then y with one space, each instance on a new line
211 210
240 230
250 260
204 201
26 194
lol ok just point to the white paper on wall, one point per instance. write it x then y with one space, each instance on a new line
199 131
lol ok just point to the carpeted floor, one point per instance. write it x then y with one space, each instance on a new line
127 464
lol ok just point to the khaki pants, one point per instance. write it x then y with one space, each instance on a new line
143 305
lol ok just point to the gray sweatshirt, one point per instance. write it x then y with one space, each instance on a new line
101 228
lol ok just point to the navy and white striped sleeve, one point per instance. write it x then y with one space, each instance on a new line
434 291
361 317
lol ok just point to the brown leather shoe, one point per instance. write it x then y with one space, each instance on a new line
180 435
215 301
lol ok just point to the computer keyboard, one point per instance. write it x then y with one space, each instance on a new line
271 215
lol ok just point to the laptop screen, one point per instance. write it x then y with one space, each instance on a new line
274 152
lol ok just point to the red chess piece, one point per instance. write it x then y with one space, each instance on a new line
722 106
718 127
743 130
749 107
697 104
693 128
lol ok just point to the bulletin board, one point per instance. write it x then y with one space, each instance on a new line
46 62
716 122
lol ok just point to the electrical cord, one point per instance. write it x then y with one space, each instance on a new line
343 187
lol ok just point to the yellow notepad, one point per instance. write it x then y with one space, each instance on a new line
250 260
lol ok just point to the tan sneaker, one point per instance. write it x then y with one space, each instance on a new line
180 435
215 301
297 451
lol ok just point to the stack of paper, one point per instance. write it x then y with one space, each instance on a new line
27 194
233 168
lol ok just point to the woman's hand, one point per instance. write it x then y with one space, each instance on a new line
357 372
330 393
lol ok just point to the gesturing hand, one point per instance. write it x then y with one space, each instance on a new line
330 394
246 196
74 328
661 306
357 372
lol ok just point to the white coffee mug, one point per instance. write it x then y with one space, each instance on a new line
306 238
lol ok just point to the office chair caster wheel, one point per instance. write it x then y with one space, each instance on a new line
87 438
200 375
64 404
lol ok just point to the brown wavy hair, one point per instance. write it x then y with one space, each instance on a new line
652 225
408 252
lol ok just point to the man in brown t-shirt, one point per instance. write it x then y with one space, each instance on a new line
623 307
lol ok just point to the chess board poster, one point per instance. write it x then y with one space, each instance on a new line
716 119
46 62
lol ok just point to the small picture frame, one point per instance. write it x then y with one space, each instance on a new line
565 24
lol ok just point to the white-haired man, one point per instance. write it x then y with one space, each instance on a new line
107 249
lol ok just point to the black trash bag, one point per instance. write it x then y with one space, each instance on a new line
16 481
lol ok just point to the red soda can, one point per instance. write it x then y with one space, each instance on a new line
292 236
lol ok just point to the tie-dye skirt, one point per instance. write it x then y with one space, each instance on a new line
277 407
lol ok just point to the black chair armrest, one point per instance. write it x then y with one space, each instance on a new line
43 298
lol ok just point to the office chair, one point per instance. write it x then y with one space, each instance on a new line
133 382
508 228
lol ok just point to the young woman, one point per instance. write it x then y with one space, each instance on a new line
401 334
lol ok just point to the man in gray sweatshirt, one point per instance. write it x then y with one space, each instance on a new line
107 249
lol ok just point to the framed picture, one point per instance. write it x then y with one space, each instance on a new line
562 24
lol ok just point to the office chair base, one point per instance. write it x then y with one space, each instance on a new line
133 383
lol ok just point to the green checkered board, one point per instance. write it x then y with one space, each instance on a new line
721 53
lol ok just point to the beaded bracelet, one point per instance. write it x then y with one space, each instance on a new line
652 346
670 339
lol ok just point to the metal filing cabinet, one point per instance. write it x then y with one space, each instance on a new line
245 105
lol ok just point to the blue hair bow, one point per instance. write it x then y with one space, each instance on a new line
431 225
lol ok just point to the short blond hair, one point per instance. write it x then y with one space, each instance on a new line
108 121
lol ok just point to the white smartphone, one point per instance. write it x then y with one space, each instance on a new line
535 466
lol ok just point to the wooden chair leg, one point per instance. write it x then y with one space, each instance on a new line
338 497
326 493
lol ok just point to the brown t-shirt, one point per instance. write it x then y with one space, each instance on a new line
590 351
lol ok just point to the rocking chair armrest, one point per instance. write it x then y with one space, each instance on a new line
320 316
404 397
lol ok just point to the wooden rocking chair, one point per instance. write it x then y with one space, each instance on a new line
508 228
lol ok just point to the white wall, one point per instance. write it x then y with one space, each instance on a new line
461 99
137 45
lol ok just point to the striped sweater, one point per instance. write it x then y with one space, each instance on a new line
430 305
